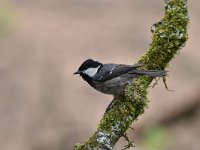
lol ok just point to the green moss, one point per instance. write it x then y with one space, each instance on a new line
168 38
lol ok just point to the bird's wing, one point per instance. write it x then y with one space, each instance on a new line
110 71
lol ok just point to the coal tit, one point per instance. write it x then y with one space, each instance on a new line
112 78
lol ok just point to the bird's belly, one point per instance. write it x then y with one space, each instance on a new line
114 86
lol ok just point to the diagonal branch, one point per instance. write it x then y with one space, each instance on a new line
169 37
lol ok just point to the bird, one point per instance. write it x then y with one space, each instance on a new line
113 78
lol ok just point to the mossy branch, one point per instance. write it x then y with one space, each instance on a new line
169 36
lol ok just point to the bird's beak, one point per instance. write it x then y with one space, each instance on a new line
77 72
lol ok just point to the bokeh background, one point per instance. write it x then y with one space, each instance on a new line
43 106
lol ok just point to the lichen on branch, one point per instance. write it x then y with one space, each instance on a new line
169 36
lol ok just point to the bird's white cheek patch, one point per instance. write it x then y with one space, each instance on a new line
91 71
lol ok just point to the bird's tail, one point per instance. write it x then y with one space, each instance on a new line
151 73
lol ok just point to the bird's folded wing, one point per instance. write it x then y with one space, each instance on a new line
110 71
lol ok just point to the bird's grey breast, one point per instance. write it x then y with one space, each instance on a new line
114 86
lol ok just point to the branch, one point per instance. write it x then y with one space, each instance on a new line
169 36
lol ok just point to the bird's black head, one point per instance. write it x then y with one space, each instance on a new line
88 69
89 63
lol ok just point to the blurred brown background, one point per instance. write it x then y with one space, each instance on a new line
44 107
